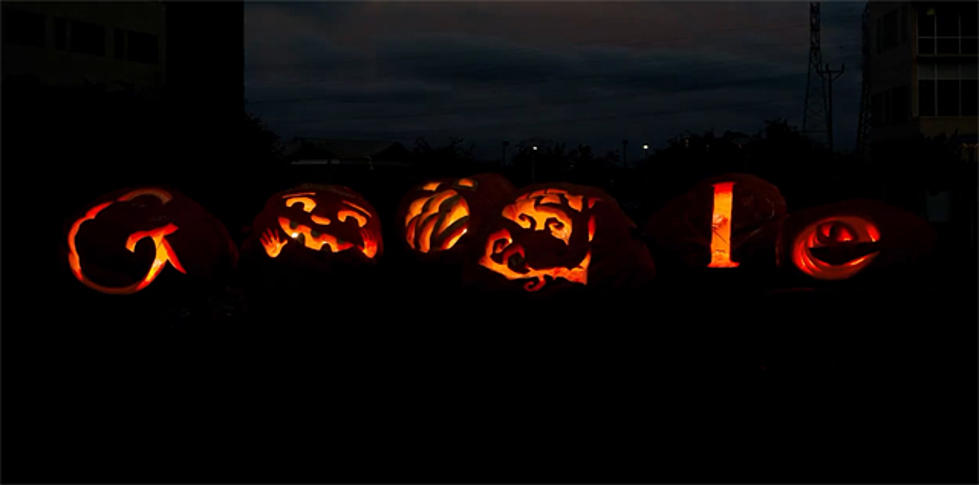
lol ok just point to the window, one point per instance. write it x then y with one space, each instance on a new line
926 98
142 48
87 38
947 89
23 28
61 34
891 106
947 29
948 97
119 44
969 102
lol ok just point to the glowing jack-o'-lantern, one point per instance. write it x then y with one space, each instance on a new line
835 247
316 225
437 216
842 240
727 221
565 234
178 233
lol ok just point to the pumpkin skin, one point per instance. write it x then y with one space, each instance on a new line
316 227
125 241
556 236
436 218
684 230
852 238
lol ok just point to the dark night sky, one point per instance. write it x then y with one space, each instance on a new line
579 72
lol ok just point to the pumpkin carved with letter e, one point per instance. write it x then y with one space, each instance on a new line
722 222
560 235
437 217
129 239
315 227
842 240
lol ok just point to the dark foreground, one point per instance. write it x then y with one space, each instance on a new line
397 378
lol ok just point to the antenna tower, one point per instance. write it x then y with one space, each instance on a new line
814 119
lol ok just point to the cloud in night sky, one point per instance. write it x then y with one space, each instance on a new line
587 72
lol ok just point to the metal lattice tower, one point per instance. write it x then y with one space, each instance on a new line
814 119
864 122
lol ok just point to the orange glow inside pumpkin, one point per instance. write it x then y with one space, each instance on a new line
308 204
440 219
315 239
164 253
720 241
538 211
500 244
834 232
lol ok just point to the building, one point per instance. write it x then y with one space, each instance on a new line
922 71
118 45
190 53
329 151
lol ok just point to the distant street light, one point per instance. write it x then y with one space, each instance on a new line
533 165
645 151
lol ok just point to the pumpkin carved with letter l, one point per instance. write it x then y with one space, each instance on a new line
727 221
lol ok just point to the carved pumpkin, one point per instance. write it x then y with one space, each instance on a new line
437 216
128 239
722 222
560 235
842 240
316 226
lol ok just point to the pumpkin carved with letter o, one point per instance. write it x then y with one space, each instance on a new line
129 239
315 227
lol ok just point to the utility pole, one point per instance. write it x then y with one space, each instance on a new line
829 76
